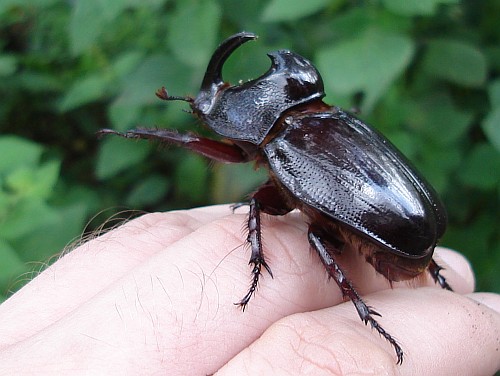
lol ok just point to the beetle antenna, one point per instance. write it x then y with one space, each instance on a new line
163 94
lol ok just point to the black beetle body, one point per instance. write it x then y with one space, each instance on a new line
356 188
367 187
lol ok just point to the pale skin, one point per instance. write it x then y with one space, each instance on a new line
155 296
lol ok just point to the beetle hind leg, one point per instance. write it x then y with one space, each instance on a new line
435 271
365 312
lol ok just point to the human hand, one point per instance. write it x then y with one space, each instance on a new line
156 296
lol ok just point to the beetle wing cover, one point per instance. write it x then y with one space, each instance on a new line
335 163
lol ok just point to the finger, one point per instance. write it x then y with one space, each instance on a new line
441 333
456 269
82 273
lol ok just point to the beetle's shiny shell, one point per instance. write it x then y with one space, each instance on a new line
360 180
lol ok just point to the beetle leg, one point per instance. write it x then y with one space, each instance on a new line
216 150
365 312
257 257
270 200
434 270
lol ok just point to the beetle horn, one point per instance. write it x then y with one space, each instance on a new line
213 75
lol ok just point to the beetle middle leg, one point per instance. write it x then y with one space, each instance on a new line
365 312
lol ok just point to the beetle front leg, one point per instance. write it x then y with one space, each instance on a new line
257 257
216 150
365 312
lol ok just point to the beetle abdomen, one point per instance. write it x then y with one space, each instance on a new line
358 180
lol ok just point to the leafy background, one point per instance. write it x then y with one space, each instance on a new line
425 72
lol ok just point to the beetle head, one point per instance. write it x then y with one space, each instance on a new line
248 111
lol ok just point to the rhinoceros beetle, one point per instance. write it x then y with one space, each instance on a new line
356 189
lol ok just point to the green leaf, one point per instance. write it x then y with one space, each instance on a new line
193 31
491 124
46 177
140 86
405 142
34 182
491 127
366 64
358 20
492 53
89 20
8 65
233 182
123 115
25 217
494 93
415 7
85 90
10 267
148 191
117 154
191 177
5 200
17 152
456 61
48 239
437 117
289 10
146 3
39 82
438 163
474 239
481 166
126 62
6 4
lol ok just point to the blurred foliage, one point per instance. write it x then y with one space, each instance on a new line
425 72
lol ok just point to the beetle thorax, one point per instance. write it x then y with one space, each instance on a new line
247 112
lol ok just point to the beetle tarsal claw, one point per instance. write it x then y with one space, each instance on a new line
268 268
244 302
256 272
435 271
238 205
373 312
